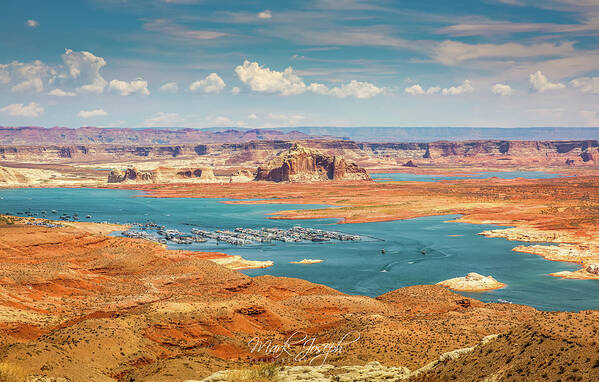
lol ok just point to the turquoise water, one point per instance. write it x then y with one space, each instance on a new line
351 267
400 177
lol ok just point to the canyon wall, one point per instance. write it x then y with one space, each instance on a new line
251 154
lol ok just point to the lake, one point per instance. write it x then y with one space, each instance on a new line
452 249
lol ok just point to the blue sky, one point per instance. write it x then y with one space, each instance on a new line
204 63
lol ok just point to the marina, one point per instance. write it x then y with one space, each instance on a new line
239 236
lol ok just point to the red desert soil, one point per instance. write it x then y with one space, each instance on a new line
97 308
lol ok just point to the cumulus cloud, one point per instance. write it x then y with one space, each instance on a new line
80 71
235 90
61 93
262 79
26 76
454 52
586 84
418 90
169 87
252 116
211 84
162 119
502 90
539 82
19 110
92 113
356 89
84 67
124 88
464 88
267 14
32 23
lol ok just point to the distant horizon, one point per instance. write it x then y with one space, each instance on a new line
358 134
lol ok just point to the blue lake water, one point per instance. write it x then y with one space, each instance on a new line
453 249
401 177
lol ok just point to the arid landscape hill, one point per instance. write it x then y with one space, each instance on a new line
135 311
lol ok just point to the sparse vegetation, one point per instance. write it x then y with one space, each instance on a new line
5 220
11 373
262 373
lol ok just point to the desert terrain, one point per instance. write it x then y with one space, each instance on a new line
78 304
92 307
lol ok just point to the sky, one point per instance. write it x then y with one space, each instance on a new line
267 64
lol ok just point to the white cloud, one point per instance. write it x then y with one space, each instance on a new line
235 90
267 14
418 90
81 70
261 79
318 88
92 113
84 67
26 76
32 23
356 89
586 84
211 84
61 93
454 52
20 110
464 88
252 116
502 90
540 83
124 88
169 87
162 119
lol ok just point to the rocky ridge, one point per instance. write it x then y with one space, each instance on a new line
162 175
302 164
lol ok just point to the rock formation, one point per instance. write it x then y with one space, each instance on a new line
162 175
130 174
307 261
472 282
241 176
302 164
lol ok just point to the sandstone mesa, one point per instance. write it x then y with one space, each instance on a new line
472 282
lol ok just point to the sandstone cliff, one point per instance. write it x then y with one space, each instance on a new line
162 175
250 154
302 164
